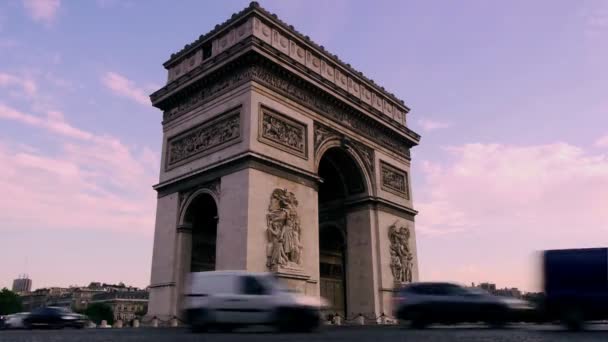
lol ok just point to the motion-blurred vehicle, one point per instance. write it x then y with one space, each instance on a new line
54 317
14 321
231 299
423 304
576 285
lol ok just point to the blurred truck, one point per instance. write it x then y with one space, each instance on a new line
575 286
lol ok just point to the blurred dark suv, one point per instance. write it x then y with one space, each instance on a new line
422 304
54 317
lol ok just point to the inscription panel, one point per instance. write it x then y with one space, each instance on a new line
279 131
394 180
203 139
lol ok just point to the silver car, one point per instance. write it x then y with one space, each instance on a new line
15 321
422 304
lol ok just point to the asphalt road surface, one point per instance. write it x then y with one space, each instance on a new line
524 333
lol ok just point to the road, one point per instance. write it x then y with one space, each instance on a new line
349 334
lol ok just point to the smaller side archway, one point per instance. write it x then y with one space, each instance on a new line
201 215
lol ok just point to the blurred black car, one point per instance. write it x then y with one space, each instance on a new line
54 317
425 303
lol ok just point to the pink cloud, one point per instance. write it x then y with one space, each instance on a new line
27 85
54 122
42 10
124 87
93 182
432 125
489 185
550 196
602 141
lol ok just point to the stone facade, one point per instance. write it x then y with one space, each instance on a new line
285 139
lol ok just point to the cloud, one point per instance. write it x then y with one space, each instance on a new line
27 85
494 186
602 141
495 205
429 125
42 10
53 122
124 87
92 182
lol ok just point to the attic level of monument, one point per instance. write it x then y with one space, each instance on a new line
254 29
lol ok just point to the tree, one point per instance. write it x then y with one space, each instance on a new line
98 312
141 313
10 302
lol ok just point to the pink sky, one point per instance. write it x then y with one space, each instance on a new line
510 100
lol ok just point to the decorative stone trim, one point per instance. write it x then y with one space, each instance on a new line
184 228
282 132
394 180
169 284
323 134
208 137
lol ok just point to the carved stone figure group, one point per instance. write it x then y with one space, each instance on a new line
401 256
283 230
283 133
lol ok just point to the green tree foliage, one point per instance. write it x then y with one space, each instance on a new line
100 311
141 313
10 302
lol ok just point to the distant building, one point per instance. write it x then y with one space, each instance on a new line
126 305
74 298
23 284
42 297
505 292
488 287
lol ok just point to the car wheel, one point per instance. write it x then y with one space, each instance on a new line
296 320
573 319
199 321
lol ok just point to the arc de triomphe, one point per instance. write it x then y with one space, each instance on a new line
277 156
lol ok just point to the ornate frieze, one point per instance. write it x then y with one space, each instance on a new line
294 88
401 256
340 113
204 138
394 180
282 132
284 249
216 84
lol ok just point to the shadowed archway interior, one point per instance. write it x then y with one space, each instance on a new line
202 215
341 179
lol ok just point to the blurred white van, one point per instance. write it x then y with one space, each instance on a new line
231 299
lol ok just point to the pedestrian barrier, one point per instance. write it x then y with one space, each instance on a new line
360 319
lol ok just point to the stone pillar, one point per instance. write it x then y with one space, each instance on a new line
362 295
163 294
183 259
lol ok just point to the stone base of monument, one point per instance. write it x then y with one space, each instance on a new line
293 277
290 271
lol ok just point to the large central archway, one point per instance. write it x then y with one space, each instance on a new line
341 181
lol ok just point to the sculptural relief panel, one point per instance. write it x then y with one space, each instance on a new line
402 257
394 180
203 139
282 132
283 230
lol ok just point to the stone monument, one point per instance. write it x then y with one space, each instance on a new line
278 156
